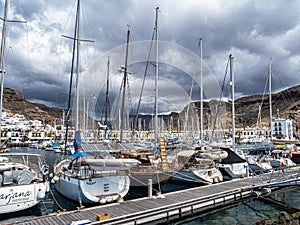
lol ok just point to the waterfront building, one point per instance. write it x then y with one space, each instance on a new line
253 135
282 129
14 136
36 135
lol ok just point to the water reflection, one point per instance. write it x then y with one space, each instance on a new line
249 212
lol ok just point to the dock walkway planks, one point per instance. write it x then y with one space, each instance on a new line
150 209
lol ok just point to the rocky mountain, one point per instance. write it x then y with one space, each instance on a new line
285 104
255 110
13 102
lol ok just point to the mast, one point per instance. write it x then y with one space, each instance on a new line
232 99
106 96
124 85
76 44
270 98
156 85
77 66
71 78
2 58
258 122
201 94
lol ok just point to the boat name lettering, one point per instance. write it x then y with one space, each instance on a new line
14 196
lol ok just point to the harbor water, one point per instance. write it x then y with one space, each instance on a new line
248 212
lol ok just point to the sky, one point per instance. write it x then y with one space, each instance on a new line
38 57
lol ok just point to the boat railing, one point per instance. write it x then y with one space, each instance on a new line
203 166
111 172
19 162
85 172
195 166
144 169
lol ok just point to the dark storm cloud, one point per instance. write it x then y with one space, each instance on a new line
253 31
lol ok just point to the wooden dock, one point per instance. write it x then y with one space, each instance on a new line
175 205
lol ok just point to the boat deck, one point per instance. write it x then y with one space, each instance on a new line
174 205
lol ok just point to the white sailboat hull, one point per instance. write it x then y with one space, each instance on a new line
21 197
205 176
93 190
234 170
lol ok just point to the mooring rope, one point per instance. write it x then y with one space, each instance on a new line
56 202
43 202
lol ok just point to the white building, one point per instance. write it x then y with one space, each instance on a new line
36 135
254 135
13 136
282 129
35 124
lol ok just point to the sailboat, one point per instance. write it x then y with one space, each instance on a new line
145 166
149 165
153 167
280 154
88 177
23 181
199 165
23 176
235 165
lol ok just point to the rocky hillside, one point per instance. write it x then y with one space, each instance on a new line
15 103
285 104
251 109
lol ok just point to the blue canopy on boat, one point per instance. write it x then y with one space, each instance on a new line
256 151
80 154
56 144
